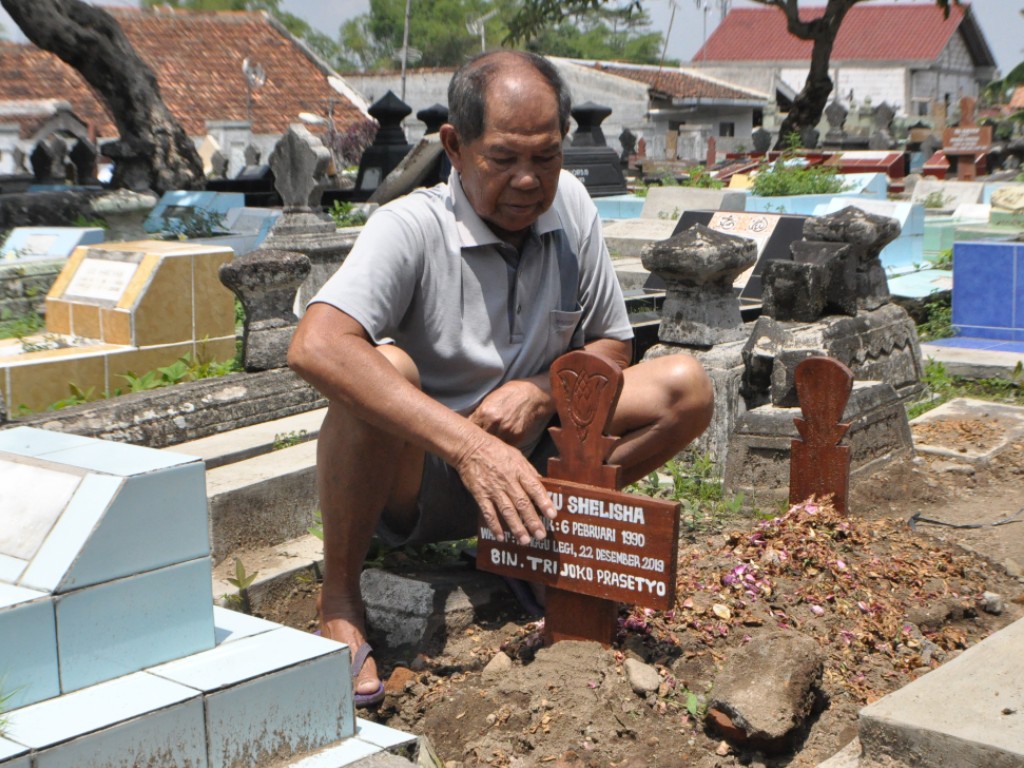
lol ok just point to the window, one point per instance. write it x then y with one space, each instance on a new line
727 130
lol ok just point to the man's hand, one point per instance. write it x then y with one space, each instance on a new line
517 411
506 487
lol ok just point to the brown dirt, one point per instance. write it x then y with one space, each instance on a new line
854 584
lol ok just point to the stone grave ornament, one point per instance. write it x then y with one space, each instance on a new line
300 163
433 117
604 546
819 466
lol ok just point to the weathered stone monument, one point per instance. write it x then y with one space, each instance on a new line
605 546
300 162
830 299
837 269
266 282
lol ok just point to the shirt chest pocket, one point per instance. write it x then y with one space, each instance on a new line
564 332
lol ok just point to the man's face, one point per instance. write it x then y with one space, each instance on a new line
510 172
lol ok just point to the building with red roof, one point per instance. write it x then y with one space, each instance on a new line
198 60
907 55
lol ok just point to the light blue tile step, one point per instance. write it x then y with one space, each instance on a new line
28 647
269 694
134 720
123 626
14 755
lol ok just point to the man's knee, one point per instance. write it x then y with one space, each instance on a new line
686 388
401 361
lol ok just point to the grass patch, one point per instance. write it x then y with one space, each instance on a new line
943 387
695 481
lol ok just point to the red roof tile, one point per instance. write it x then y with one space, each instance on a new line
197 57
870 32
1017 99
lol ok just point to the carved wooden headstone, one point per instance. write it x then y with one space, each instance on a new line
819 466
604 547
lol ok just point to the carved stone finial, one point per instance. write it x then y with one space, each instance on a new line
867 234
699 267
300 162
265 281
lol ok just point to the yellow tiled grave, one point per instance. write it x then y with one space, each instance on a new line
133 306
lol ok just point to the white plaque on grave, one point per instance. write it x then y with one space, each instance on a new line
38 245
100 280
753 226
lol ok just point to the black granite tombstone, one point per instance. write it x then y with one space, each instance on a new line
433 117
590 159
389 146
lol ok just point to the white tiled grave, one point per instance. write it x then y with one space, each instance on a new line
112 651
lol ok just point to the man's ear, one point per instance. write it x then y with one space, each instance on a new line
452 143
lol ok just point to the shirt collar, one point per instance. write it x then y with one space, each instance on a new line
473 231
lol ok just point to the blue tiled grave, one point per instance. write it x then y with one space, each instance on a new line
109 545
177 207
47 243
988 290
109 640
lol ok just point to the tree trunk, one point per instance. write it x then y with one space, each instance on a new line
153 151
810 103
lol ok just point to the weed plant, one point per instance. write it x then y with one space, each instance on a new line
941 387
20 326
696 483
938 323
346 215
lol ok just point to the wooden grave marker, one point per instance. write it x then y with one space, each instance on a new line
818 465
604 547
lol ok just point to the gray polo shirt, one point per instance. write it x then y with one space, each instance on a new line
428 275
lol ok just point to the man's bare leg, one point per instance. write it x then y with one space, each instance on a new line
666 404
361 472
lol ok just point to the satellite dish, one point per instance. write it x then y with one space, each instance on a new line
254 74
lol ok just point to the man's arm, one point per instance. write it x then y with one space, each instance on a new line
334 353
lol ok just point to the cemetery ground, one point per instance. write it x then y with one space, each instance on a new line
884 601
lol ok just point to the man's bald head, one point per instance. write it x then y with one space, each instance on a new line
467 91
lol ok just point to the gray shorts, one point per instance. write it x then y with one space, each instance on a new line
446 510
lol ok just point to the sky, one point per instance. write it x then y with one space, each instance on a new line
1000 20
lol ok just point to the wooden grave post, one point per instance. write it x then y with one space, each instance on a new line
818 465
604 547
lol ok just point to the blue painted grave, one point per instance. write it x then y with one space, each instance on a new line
988 290
47 243
179 209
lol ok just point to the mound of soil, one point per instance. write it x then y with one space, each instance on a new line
885 600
